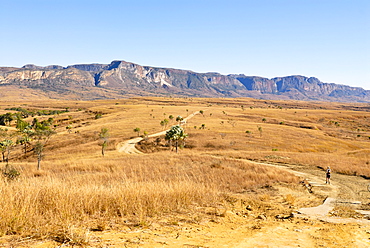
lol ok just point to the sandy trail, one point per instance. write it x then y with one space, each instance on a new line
344 190
336 188
128 146
313 176
292 235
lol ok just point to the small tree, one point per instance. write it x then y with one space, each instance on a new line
137 130
104 136
24 129
164 123
39 152
145 135
8 117
42 134
22 125
5 147
25 141
6 144
260 130
69 128
179 119
3 150
175 134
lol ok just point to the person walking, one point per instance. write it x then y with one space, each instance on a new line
328 171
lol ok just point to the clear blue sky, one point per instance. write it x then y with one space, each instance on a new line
327 39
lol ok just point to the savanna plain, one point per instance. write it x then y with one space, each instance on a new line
239 178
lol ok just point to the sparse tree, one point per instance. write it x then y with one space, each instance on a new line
145 135
25 141
176 134
3 150
179 119
6 119
137 130
104 136
42 134
69 128
164 123
260 130
9 117
24 129
5 147
22 125
6 144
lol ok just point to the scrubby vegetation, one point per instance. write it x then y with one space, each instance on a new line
78 189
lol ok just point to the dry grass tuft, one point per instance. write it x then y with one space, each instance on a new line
129 188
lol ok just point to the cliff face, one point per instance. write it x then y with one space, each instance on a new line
47 77
120 78
304 88
128 75
263 85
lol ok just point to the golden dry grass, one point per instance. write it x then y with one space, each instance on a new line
77 187
77 192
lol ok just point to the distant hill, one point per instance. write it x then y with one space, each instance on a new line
123 79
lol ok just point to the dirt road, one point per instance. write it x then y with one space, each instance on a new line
305 231
344 190
128 146
310 227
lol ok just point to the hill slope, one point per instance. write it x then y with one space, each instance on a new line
121 79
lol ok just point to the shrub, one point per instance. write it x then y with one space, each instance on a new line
10 173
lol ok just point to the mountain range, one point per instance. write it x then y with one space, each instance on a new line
124 79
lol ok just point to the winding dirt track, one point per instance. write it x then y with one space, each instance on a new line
128 146
343 190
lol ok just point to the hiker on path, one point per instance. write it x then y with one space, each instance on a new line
328 171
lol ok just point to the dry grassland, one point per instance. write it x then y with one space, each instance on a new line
78 191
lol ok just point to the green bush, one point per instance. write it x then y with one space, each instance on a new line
11 173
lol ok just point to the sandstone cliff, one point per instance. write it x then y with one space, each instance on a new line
121 78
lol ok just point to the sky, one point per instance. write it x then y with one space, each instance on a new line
327 39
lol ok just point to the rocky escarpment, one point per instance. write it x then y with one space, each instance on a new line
121 78
304 88
47 77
